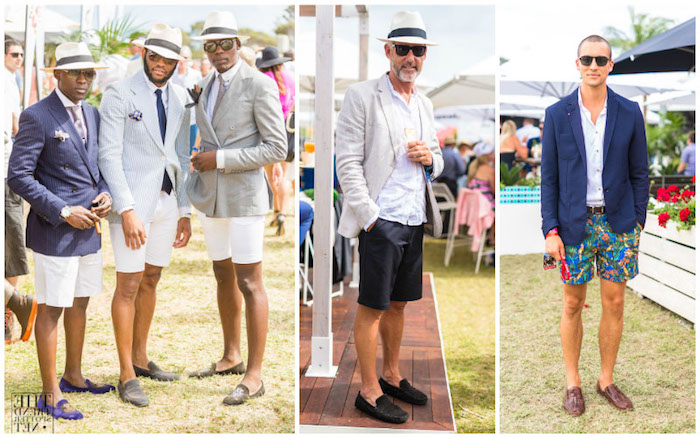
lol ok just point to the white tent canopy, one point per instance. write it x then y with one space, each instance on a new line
475 86
473 122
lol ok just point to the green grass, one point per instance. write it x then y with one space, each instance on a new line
655 365
185 336
466 303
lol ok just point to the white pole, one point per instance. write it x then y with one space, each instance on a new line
321 335
39 54
29 51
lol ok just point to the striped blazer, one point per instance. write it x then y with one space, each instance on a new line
51 173
132 155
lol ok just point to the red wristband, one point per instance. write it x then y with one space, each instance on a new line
552 232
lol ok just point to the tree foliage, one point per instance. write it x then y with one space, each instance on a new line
643 27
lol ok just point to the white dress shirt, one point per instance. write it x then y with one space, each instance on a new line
526 132
227 76
402 199
593 135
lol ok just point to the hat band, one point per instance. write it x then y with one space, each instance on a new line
162 43
224 30
408 32
72 59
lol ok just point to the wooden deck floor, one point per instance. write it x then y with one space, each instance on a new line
331 402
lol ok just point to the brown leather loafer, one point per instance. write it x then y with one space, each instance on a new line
616 397
573 401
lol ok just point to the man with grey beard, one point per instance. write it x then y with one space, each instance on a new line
387 154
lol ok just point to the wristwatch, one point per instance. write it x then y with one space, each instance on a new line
65 212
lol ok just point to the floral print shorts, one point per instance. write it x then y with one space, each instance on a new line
614 255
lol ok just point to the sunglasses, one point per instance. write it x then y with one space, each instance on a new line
75 74
588 60
154 57
16 55
402 50
226 45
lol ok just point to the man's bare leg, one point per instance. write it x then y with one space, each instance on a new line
230 302
249 278
391 329
123 311
571 328
366 330
46 332
74 324
144 308
613 300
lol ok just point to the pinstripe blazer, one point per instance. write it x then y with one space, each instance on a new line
366 145
132 154
50 173
249 127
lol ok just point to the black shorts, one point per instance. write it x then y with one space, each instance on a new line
391 264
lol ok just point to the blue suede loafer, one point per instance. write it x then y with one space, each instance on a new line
62 410
66 386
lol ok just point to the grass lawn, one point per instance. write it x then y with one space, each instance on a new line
185 336
466 304
655 365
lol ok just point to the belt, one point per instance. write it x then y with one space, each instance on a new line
595 210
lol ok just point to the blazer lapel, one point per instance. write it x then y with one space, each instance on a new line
175 109
232 95
388 109
203 121
144 103
92 141
609 122
574 114
60 113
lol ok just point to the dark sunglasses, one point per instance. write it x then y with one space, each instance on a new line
226 45
154 57
588 60
402 50
17 55
75 74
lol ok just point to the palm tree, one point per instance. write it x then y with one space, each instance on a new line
643 27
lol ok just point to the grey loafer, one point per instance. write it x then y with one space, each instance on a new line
131 392
211 371
154 372
242 394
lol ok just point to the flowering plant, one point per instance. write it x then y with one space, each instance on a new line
675 205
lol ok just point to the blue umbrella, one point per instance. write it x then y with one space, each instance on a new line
673 50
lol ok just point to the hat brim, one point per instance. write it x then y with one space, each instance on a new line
76 66
162 51
408 40
220 36
271 62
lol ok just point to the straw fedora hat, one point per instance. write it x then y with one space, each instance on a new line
164 40
407 28
74 56
220 25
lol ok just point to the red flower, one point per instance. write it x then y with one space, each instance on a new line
693 179
663 218
683 214
675 198
662 195
672 188
687 194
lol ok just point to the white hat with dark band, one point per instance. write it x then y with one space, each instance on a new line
220 25
74 56
164 40
407 28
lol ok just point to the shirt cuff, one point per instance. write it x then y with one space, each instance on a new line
185 211
371 221
130 207
220 159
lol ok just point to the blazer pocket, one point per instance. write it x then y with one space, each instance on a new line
566 147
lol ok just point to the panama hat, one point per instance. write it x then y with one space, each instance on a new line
270 56
74 56
407 28
164 40
220 25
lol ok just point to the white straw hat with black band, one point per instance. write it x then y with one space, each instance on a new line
164 40
220 25
407 28
74 56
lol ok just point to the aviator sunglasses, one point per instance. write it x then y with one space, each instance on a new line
75 74
226 45
402 50
588 60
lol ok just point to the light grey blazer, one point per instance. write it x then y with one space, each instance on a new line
132 155
366 147
249 127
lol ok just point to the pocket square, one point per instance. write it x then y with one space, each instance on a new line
136 115
63 136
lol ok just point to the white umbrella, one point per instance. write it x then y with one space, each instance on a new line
560 89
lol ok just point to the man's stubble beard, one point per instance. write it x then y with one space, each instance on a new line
147 70
396 68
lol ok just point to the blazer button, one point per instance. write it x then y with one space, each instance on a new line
66 167
94 186
232 128
75 189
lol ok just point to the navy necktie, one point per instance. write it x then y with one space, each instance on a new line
167 185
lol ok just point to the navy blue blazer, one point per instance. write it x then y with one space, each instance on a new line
625 168
50 173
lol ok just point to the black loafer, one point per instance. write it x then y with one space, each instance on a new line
384 411
154 372
404 392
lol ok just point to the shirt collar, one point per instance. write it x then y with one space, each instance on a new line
152 86
65 101
583 108
230 73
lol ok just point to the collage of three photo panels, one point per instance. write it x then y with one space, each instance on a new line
306 218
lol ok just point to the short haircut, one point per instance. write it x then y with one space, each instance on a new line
528 120
594 39
691 136
10 43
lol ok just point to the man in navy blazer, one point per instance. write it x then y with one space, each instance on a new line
53 166
595 189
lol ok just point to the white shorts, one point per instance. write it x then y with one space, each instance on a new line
160 236
238 238
57 280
